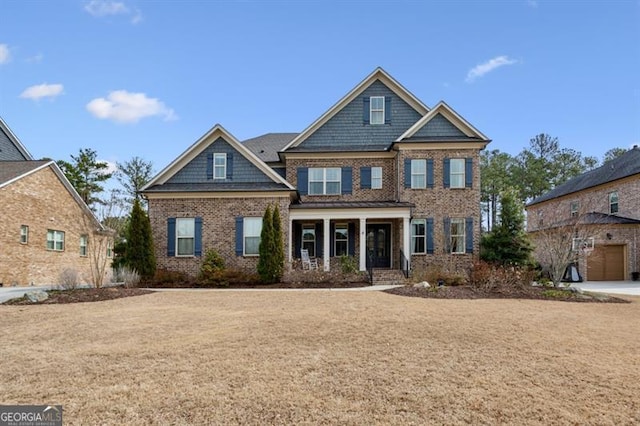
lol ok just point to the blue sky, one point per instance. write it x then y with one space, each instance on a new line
148 78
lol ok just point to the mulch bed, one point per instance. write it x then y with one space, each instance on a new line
82 295
262 286
536 293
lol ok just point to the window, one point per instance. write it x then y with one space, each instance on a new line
376 111
325 181
341 240
55 240
109 251
24 234
219 166
574 206
376 177
457 173
418 236
418 173
613 202
185 236
252 231
309 239
457 236
84 239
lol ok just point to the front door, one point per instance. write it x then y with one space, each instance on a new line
379 245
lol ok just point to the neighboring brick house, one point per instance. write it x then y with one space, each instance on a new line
45 227
606 204
379 176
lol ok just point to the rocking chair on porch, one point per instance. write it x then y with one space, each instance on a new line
308 263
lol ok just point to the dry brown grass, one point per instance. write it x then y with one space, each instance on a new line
324 357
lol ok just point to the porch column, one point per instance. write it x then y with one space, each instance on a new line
326 244
290 243
406 239
363 244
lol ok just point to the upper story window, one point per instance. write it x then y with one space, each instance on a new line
325 181
574 207
376 111
55 240
418 173
457 235
418 236
376 178
219 165
613 202
252 230
185 236
457 172
24 234
84 241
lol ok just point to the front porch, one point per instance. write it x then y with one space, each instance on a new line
377 234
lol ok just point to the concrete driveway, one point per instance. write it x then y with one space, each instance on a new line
631 288
7 293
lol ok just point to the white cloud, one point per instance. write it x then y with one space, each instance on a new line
137 17
43 90
105 7
124 107
35 59
490 65
5 55
111 167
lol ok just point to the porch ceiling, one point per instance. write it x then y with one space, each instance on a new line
350 210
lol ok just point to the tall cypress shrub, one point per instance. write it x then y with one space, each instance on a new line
278 241
266 248
139 254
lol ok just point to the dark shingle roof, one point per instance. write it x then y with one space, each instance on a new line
266 147
217 187
627 164
349 148
12 169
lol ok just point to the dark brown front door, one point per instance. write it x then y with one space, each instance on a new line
379 245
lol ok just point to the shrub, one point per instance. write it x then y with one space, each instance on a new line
490 277
228 277
68 279
435 273
166 278
348 264
139 251
126 275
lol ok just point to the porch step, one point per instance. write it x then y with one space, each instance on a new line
388 277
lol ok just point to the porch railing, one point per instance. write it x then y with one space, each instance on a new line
404 264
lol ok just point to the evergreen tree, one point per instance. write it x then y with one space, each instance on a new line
278 241
266 248
139 254
86 173
508 242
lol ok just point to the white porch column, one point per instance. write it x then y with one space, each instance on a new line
326 249
406 239
290 242
363 244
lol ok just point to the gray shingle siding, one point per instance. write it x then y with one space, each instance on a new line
242 170
439 126
8 151
346 129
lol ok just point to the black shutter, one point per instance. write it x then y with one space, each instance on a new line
366 112
468 172
319 239
365 177
387 110
239 235
303 180
446 174
447 235
430 173
332 238
197 243
210 165
468 233
171 236
347 180
430 246
297 238
352 239
230 166
407 172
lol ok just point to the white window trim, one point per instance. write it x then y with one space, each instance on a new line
462 248
302 240
344 226
461 173
184 237
218 155
324 180
611 203
24 234
413 173
414 236
376 179
372 110
245 236
84 244
58 237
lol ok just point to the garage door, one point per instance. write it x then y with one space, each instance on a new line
606 263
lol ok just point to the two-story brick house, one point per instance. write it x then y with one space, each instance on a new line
379 176
45 226
605 203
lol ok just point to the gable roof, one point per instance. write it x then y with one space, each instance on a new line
204 142
266 147
449 114
12 171
14 140
628 164
377 75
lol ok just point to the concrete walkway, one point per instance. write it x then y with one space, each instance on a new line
631 288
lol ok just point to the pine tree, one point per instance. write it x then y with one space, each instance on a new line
508 243
278 241
139 254
266 248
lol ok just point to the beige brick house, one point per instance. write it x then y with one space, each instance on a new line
45 227
605 205
379 176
